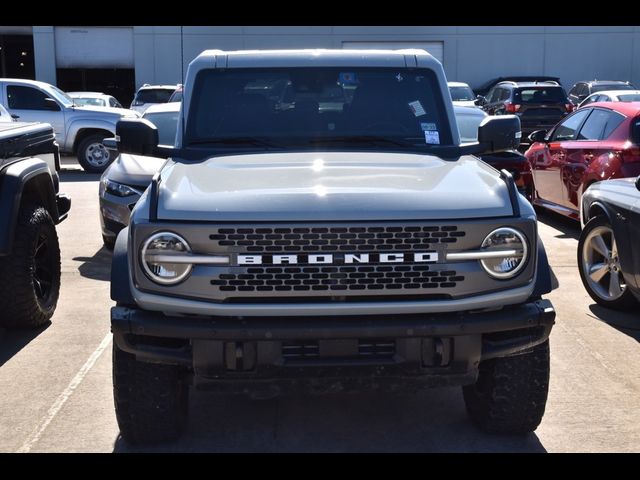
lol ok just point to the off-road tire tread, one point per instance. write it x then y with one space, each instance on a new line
516 392
19 306
150 399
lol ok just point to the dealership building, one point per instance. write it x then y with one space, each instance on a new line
117 60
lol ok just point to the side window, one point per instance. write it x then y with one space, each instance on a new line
114 103
613 122
574 90
594 126
490 94
567 129
505 94
25 98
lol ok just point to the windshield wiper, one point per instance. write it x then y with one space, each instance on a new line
253 141
370 139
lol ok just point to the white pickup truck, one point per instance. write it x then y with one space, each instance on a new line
78 130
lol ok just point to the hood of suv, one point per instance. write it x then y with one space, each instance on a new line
106 112
327 186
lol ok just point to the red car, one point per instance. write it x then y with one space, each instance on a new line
597 142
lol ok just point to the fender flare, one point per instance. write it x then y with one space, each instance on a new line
75 126
546 280
120 290
28 174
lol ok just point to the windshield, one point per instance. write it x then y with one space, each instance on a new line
316 104
461 94
61 96
153 95
89 101
540 95
611 86
167 124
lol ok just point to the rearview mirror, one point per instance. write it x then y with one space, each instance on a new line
499 133
136 136
51 104
480 100
538 136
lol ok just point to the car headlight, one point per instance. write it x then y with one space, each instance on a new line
163 258
506 253
118 189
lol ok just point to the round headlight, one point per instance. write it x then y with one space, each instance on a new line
513 244
156 258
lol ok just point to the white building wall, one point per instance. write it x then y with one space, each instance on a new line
471 54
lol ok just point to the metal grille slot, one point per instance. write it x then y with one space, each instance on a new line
336 239
376 348
300 349
333 279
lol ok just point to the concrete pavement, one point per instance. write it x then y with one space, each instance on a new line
56 395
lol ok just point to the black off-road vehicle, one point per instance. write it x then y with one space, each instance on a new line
30 209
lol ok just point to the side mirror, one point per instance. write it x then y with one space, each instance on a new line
638 183
480 100
538 136
51 104
499 133
137 136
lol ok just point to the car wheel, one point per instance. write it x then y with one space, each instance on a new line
93 156
599 265
30 275
151 400
510 394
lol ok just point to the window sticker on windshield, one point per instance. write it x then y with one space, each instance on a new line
416 108
348 78
427 126
432 137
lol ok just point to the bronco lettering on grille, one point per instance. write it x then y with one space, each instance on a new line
338 259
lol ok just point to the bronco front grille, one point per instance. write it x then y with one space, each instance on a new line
337 278
333 239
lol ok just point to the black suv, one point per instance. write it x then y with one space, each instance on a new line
582 90
540 105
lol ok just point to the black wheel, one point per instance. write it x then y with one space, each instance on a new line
109 243
93 156
510 394
599 265
30 275
151 400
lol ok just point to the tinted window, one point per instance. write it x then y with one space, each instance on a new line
630 97
462 94
167 123
25 98
540 95
593 128
153 95
613 122
611 86
567 129
491 95
504 94
114 103
294 104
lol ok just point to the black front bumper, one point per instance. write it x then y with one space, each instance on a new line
322 352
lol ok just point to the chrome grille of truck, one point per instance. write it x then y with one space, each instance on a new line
333 279
335 239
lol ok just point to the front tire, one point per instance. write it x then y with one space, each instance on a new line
151 400
30 275
510 394
93 156
599 266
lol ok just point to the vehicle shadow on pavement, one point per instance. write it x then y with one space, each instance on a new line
12 341
432 421
97 267
625 322
569 228
67 175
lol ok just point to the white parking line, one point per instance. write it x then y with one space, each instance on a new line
64 396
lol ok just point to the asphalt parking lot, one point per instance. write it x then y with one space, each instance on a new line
57 396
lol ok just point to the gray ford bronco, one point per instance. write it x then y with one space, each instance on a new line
318 226
30 208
